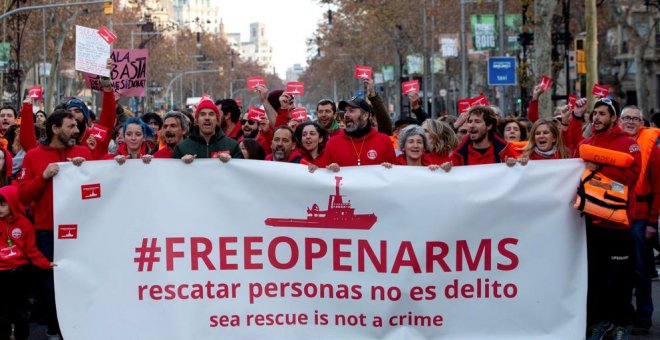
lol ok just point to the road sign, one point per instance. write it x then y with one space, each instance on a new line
502 71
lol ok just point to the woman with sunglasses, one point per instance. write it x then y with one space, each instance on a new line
311 139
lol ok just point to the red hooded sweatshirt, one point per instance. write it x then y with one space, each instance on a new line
373 149
17 241
33 187
28 137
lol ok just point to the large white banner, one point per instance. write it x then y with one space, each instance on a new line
264 250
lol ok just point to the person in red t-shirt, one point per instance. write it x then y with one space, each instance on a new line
359 143
413 145
136 133
442 141
35 185
482 145
311 138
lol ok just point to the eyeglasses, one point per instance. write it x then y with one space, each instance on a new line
631 119
247 122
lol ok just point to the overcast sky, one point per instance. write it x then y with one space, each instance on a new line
288 25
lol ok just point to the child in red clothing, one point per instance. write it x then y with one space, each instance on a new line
17 249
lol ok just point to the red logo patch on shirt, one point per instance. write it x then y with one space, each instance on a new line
90 191
16 233
67 231
372 154
634 148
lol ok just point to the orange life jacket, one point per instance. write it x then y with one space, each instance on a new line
595 154
603 198
646 140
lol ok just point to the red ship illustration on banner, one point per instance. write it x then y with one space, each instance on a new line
339 215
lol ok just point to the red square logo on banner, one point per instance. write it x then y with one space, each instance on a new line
107 35
601 91
90 191
67 231
295 88
252 82
99 132
410 86
362 72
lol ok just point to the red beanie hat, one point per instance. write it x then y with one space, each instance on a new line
207 103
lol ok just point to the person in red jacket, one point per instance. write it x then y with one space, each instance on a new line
359 143
311 138
483 145
28 137
35 185
175 129
413 144
17 250
544 143
284 147
442 141
645 225
136 135
609 244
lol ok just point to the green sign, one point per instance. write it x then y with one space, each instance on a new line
485 31
512 26
4 55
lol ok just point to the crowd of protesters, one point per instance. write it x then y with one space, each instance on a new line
355 132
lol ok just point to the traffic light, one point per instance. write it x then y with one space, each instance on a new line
108 8
581 58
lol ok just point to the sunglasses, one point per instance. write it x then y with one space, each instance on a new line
608 102
248 122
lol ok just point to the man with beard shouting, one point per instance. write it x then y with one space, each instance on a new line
483 146
359 143
175 128
35 184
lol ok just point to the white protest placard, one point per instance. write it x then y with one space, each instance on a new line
266 250
92 52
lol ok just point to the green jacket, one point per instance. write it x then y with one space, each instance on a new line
195 144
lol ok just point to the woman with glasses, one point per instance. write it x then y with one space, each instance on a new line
311 139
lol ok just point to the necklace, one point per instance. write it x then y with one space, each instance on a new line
356 152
